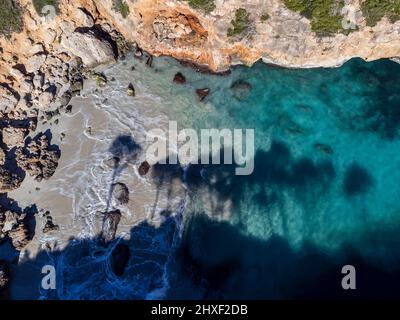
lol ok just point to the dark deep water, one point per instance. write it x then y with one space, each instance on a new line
324 193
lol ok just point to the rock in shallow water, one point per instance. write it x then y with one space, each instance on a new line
179 78
144 168
120 193
202 93
241 89
110 225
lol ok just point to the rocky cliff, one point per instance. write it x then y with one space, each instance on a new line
48 46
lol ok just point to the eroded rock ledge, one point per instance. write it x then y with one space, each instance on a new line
273 33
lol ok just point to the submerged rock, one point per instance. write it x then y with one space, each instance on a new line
110 225
120 258
149 61
179 78
241 89
120 193
202 93
323 148
144 168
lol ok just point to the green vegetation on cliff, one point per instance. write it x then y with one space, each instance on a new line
375 10
10 17
240 24
325 15
205 5
264 17
122 7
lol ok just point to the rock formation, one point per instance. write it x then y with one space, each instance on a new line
271 31
39 159
144 168
49 224
110 225
120 193
16 227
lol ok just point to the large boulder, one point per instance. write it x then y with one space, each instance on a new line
110 225
84 18
34 63
92 49
120 193
49 225
144 168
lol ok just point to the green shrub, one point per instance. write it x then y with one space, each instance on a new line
122 7
375 10
296 5
264 17
325 15
39 4
10 17
205 5
240 24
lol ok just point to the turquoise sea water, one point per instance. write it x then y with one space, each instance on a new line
325 189
324 192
